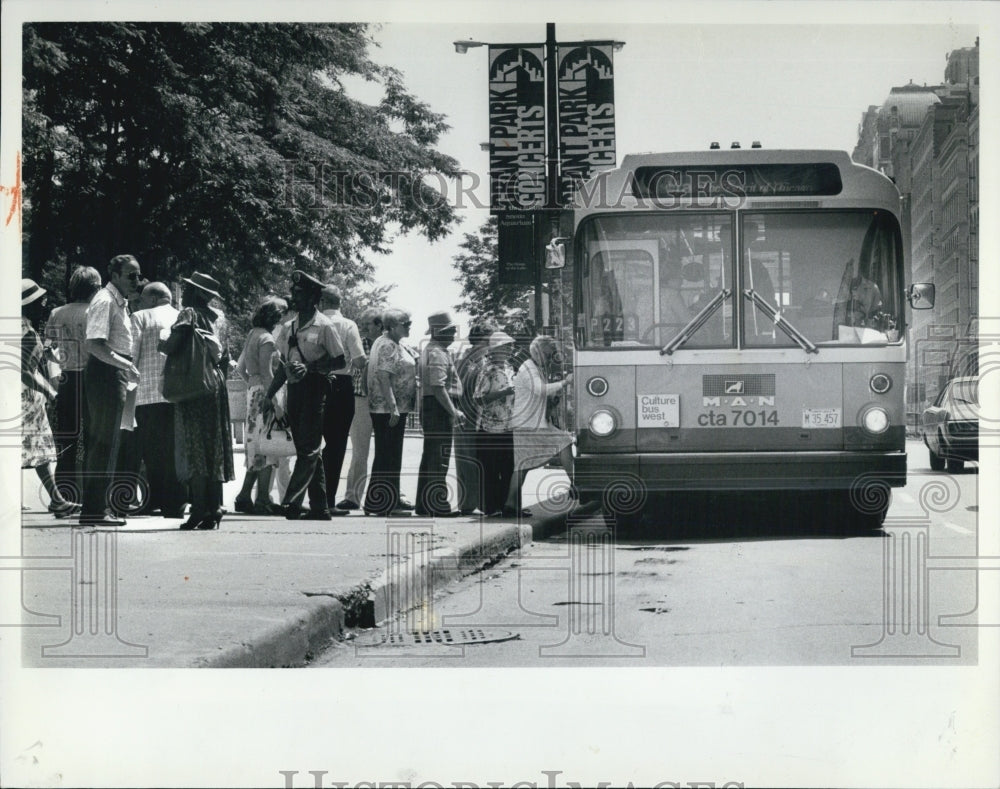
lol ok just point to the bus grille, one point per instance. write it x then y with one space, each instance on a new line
752 384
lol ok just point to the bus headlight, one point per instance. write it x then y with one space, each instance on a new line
602 423
880 383
597 386
875 420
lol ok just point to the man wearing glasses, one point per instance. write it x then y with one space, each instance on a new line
106 379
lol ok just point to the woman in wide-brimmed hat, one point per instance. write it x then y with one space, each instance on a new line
38 449
203 433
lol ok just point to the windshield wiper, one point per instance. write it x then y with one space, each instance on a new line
696 322
781 322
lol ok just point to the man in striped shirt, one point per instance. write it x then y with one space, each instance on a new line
154 416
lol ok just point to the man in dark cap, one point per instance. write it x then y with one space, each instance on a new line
441 389
311 351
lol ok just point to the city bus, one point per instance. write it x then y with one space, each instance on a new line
739 326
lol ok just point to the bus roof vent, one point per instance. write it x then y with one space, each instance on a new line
735 145
714 146
755 144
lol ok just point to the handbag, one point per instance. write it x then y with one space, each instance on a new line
273 438
189 371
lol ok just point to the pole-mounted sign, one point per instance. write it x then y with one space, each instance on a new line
517 127
552 126
586 112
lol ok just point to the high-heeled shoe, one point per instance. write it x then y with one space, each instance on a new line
193 522
210 521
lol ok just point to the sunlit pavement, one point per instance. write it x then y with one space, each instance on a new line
260 591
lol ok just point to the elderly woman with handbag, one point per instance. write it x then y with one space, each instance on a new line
204 442
255 365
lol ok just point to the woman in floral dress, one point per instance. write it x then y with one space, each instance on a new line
38 448
256 365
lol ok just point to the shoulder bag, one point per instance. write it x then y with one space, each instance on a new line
189 371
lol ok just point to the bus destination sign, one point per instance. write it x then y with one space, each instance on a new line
708 181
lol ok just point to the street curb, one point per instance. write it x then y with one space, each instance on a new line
287 644
408 585
293 642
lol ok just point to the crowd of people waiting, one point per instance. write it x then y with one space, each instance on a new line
128 440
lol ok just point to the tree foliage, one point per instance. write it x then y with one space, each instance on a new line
478 274
233 149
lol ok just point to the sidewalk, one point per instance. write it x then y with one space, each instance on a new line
259 592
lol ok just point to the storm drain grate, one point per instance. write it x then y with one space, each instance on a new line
476 635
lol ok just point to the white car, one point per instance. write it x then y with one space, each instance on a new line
951 425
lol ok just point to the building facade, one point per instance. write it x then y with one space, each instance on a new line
926 139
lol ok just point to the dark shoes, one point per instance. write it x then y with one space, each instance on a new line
451 514
104 519
206 522
347 504
248 507
297 514
65 509
244 506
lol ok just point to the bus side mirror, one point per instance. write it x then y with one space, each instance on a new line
555 253
921 295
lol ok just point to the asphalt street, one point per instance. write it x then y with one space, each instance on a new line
726 588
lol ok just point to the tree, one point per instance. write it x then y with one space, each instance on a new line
233 149
478 273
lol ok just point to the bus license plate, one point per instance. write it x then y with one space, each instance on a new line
820 417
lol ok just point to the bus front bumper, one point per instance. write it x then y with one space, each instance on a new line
740 471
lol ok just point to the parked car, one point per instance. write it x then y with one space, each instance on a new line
951 425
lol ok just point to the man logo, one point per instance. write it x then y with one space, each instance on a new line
734 387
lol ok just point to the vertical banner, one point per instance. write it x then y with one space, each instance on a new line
516 247
517 127
586 112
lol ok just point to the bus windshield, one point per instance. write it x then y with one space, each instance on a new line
834 276
645 277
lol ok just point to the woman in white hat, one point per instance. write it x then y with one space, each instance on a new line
38 449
